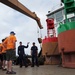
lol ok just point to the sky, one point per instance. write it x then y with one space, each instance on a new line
26 28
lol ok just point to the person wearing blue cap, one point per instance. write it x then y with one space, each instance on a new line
10 52
12 32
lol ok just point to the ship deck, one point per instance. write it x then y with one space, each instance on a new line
42 70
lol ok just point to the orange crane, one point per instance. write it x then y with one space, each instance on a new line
15 4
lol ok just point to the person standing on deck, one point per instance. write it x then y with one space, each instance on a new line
4 55
10 52
34 54
22 55
1 56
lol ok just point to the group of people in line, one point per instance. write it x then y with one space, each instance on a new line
8 53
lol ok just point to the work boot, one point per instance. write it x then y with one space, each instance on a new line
10 72
32 65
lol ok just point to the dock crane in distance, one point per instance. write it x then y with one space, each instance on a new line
15 4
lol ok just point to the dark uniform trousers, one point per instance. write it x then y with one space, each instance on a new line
34 60
22 60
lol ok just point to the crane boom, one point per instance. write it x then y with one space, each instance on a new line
15 4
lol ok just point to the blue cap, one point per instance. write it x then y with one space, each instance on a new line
12 32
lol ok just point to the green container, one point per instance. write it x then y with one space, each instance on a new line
68 1
69 6
65 27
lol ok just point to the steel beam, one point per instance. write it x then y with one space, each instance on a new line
15 4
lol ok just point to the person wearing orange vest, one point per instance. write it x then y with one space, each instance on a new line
10 52
4 55
1 57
